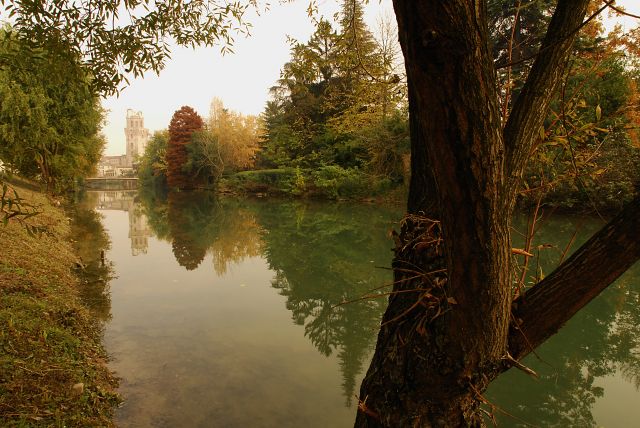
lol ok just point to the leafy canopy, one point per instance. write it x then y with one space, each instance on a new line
49 116
115 39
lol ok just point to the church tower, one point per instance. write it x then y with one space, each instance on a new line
137 136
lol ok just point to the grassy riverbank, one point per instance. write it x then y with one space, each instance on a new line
52 365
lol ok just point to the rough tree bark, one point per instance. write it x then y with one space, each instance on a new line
448 329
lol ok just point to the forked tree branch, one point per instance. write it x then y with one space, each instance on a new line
607 3
529 110
546 307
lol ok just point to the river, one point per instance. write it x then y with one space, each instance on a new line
240 313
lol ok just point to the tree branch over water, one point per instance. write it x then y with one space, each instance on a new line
544 308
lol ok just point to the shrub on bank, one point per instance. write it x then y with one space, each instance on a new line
272 181
327 182
335 182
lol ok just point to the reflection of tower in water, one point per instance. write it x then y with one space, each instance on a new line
138 230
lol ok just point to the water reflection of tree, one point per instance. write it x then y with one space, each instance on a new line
324 256
91 242
192 226
239 236
197 222
601 340
155 208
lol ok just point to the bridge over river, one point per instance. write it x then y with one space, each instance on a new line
112 183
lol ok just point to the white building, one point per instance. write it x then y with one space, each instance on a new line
137 137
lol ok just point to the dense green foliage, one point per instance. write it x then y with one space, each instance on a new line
339 103
336 125
586 155
517 30
326 182
49 116
152 170
337 112
112 47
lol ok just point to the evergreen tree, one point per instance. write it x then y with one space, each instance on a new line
334 98
359 58
297 116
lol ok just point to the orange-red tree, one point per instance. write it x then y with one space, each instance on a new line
182 126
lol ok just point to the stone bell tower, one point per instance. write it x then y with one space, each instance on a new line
137 136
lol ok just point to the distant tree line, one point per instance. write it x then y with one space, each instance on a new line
195 153
336 124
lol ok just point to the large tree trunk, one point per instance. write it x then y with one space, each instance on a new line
445 333
431 355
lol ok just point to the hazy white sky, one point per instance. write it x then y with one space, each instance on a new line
242 80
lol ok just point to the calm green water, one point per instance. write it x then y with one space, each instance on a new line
223 314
